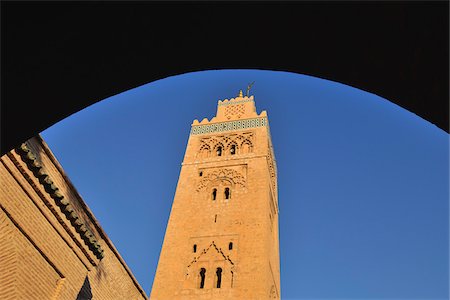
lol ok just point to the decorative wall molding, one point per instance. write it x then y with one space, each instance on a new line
228 126
222 174
34 166
211 246
242 142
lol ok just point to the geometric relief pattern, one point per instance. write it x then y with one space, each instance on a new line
232 110
228 174
273 293
204 251
272 170
228 126
242 143
210 259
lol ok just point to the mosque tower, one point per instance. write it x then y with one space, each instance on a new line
221 240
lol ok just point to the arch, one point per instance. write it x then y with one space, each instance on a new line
222 177
52 79
246 146
205 151
232 148
218 149
226 182
214 194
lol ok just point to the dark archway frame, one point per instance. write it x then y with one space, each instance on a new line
58 58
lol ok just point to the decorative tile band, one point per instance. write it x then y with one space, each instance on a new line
234 102
88 237
228 126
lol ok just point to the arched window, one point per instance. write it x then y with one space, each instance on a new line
204 152
214 194
230 246
200 174
246 147
219 151
195 248
202 277
219 277
233 150
227 193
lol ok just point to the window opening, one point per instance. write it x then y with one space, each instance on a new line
202 277
219 277
200 174
215 218
230 246
233 150
195 248
227 193
214 194
219 151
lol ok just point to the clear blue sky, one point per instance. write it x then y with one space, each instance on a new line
363 183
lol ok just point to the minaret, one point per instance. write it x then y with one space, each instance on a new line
221 240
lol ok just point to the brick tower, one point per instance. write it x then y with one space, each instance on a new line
221 240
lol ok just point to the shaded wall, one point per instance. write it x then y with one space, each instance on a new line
51 245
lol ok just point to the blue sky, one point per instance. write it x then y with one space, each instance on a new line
363 183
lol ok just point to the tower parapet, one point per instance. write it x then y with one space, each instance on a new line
232 114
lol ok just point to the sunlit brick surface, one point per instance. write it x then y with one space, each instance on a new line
234 239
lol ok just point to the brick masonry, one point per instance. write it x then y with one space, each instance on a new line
51 245
237 236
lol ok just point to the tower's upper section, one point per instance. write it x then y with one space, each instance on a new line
236 108
237 131
232 114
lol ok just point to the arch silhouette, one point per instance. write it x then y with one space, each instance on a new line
54 64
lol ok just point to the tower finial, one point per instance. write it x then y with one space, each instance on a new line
240 94
249 87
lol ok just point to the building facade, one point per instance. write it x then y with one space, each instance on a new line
221 240
51 245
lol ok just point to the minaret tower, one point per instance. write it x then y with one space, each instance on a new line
221 240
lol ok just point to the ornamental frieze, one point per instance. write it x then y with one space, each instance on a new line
228 126
231 175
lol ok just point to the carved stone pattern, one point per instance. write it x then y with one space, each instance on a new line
231 110
273 293
232 175
228 126
204 251
226 141
272 170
